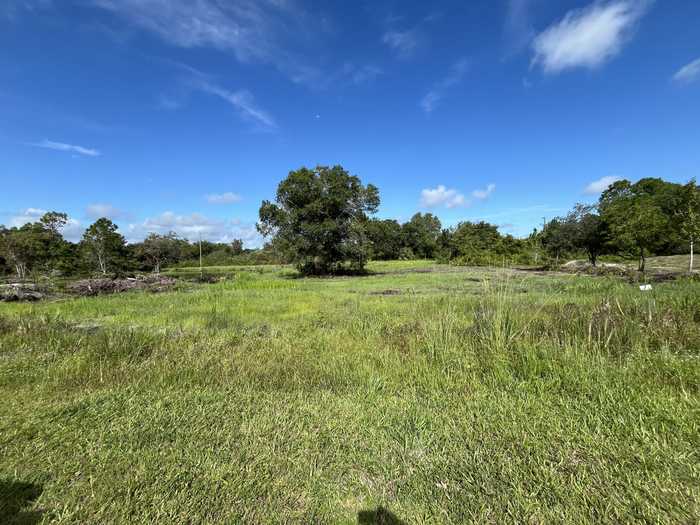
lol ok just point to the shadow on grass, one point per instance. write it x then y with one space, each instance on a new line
15 496
378 516
296 274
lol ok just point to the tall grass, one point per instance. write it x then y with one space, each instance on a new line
462 396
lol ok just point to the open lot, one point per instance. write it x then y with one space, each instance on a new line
443 394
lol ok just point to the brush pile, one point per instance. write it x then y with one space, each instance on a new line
20 292
103 286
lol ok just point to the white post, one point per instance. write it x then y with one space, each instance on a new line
691 256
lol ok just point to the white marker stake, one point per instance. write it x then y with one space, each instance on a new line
645 287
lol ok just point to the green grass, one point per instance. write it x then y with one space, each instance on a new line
443 394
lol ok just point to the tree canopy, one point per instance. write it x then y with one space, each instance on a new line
319 218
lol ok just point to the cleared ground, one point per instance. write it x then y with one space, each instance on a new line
443 394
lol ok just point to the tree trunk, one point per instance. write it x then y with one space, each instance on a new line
642 261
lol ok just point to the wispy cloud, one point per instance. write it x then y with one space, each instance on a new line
70 148
403 43
98 210
600 185
361 74
518 28
223 198
255 31
441 196
688 73
485 193
11 8
407 41
433 98
193 79
244 102
587 37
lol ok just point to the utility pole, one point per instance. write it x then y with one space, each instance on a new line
201 271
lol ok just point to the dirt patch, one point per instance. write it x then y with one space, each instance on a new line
386 292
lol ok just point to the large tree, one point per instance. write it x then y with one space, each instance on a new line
319 217
158 249
640 216
104 246
637 225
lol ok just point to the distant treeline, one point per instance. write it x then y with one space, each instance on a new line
39 249
321 232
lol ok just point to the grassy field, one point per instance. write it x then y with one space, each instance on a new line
443 394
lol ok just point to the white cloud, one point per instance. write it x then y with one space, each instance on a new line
433 98
403 43
223 198
587 37
60 146
484 194
600 185
451 198
193 225
72 231
98 210
688 73
27 215
441 196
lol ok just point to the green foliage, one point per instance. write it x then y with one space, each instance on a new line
421 235
36 246
481 244
638 216
318 219
157 250
104 247
386 238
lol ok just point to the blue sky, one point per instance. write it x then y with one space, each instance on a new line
184 115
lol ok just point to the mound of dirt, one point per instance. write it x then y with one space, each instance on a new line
580 266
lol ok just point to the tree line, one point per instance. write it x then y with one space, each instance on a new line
321 222
648 217
39 248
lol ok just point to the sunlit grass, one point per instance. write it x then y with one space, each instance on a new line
447 395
